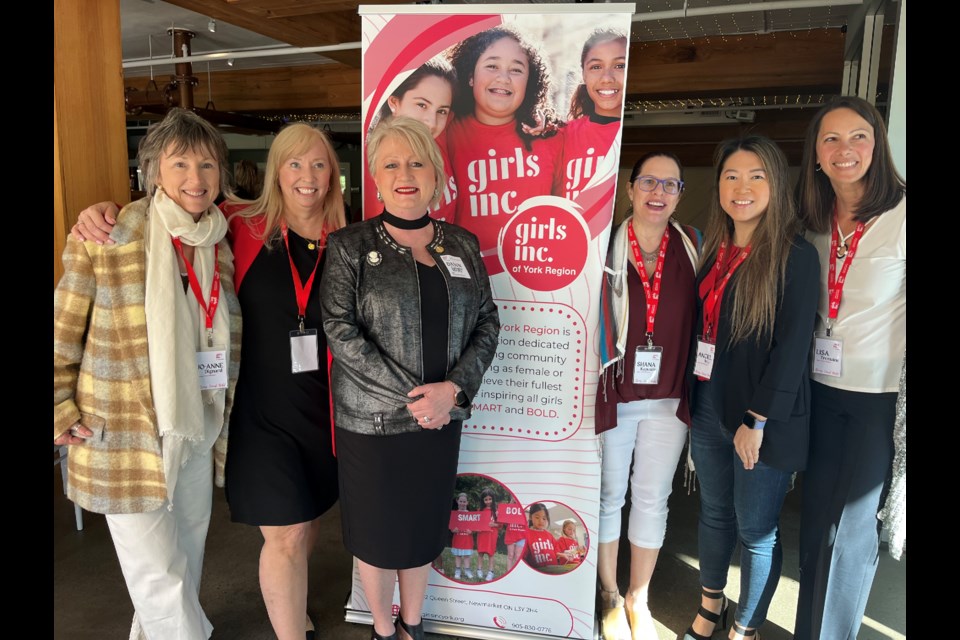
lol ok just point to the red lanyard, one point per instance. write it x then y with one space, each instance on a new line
712 287
209 309
302 290
834 282
652 291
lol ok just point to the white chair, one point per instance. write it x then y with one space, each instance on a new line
60 458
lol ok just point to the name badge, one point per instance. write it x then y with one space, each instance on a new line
212 369
646 365
703 366
456 267
303 351
827 355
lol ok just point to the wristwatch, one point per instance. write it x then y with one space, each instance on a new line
459 397
752 422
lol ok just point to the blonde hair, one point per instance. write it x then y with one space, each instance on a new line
418 138
293 140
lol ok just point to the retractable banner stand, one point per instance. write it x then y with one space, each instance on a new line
528 123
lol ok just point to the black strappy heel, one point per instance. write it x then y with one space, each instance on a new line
719 620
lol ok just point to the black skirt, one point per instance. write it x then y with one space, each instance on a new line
395 494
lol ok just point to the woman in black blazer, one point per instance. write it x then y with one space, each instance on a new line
758 288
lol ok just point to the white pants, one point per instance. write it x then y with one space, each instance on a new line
648 433
161 555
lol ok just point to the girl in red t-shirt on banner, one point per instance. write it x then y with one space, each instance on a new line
541 545
758 289
462 548
595 108
487 540
497 160
515 538
425 95
568 544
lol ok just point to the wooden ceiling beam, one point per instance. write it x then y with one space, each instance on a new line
729 65
324 28
807 62
328 86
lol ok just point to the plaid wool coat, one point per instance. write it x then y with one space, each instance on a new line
101 374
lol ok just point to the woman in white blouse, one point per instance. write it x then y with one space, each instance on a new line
854 203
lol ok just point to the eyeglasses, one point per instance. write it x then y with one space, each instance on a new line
649 183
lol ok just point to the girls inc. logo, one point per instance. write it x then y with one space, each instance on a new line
544 246
481 173
579 171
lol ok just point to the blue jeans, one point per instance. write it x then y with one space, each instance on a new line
736 504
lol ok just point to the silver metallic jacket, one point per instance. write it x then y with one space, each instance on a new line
370 296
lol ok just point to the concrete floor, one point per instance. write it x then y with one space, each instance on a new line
92 602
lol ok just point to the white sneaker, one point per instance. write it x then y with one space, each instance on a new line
489 576
456 574
469 573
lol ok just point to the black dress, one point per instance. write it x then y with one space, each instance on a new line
280 465
397 489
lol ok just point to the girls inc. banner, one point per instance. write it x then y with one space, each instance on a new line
525 103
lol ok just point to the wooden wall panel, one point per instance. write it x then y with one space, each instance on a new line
90 137
737 65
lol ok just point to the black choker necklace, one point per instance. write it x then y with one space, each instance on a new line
403 223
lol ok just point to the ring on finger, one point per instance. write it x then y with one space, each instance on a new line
426 419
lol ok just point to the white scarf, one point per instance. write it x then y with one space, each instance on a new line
176 330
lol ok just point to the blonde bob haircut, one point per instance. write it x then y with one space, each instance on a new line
417 136
292 141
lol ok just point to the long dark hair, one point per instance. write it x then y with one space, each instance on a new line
493 505
581 104
434 67
464 56
760 278
883 186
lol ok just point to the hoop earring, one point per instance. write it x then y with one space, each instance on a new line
436 192
818 167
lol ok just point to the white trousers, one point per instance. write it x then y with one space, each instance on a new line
161 555
649 434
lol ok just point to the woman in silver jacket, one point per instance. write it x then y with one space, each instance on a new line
412 326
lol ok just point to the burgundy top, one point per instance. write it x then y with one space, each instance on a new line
673 331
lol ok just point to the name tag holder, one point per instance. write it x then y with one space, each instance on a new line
212 368
646 365
827 354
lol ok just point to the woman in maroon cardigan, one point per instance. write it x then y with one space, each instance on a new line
648 311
